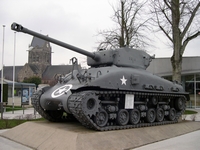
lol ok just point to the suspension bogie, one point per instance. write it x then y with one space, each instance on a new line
145 109
113 111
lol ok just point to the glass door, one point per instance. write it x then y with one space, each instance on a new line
192 85
197 93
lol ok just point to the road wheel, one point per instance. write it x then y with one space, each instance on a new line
122 117
134 116
160 115
151 115
180 104
101 118
172 114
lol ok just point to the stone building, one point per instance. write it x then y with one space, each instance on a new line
39 58
39 64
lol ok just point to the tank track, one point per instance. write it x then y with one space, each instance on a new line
35 100
75 106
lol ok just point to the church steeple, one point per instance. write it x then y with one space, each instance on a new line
39 52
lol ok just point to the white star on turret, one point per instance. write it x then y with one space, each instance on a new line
123 80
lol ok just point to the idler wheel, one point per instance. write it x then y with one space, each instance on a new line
122 117
172 114
180 103
134 116
160 115
151 115
101 118
90 104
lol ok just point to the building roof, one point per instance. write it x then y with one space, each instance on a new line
51 71
48 74
34 68
8 72
9 82
163 67
37 42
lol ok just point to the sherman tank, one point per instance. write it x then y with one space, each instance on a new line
115 92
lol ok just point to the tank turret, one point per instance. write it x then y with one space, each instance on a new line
122 57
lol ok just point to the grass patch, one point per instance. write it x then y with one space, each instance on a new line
10 123
6 123
9 108
189 112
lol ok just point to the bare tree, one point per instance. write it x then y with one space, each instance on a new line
179 21
129 27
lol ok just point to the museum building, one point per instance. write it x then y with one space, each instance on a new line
190 75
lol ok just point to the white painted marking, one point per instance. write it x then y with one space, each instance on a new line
61 90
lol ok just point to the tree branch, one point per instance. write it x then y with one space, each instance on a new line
190 20
187 41
165 33
166 2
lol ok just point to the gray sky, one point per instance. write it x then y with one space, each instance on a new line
75 22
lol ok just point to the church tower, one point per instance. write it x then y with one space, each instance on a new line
39 58
39 52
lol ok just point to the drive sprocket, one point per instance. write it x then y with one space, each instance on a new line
90 104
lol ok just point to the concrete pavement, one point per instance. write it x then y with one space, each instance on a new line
187 141
183 142
6 144
27 113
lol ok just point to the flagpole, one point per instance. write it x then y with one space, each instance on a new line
1 103
13 99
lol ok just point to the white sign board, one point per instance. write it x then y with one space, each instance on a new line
129 101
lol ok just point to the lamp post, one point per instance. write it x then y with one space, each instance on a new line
13 96
1 102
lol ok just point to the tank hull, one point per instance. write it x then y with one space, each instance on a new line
111 93
108 78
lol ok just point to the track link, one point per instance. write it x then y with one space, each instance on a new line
75 106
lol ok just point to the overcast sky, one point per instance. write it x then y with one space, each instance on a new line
75 22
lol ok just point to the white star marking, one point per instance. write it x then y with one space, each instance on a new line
60 91
123 80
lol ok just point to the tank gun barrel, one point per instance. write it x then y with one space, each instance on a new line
20 28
